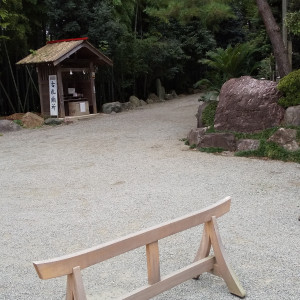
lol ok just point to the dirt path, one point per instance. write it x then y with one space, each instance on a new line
67 188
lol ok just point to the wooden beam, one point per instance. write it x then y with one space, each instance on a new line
167 282
64 265
75 69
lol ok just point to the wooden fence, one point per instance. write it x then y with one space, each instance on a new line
216 263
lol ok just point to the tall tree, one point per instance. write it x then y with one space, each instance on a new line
274 33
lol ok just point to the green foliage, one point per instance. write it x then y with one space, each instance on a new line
212 150
266 67
208 114
273 151
19 122
231 62
289 86
209 13
293 22
264 134
269 149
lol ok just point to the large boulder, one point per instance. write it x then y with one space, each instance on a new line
225 141
286 138
201 108
8 125
292 116
248 105
31 120
110 107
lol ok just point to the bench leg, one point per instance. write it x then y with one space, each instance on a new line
205 246
223 268
75 288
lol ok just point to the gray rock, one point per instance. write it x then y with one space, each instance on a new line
126 106
195 136
174 94
247 144
248 105
135 102
226 141
53 121
31 120
149 101
108 108
199 113
7 125
285 138
153 97
169 97
292 116
143 103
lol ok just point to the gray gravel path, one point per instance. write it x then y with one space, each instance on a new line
68 188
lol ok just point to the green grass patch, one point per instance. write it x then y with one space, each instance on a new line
272 151
212 150
19 122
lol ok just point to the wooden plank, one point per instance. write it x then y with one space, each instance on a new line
79 292
167 282
153 262
224 268
64 265
70 287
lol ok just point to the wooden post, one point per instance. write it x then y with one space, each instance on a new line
205 246
224 268
61 111
93 89
75 288
153 262
39 71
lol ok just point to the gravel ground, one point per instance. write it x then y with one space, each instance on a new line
68 188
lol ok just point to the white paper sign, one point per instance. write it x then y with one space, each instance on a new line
82 106
53 95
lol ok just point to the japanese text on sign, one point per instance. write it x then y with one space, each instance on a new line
53 95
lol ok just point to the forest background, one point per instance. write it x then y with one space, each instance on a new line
180 42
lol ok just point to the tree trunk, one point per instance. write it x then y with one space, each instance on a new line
274 33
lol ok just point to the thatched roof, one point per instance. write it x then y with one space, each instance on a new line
56 51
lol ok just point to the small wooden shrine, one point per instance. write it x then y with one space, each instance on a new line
66 74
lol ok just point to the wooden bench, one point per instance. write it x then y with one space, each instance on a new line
71 265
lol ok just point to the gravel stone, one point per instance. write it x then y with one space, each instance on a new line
68 188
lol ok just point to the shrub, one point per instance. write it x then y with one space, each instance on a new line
208 114
289 86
